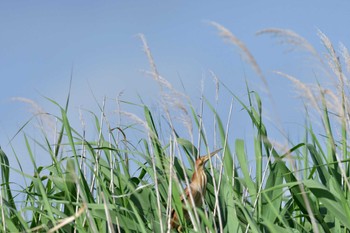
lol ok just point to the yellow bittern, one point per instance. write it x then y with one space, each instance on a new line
197 188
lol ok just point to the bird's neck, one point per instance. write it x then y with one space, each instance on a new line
199 180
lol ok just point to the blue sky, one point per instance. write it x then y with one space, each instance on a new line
41 42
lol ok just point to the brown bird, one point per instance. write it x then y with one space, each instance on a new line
197 187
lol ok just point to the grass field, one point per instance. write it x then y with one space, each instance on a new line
119 183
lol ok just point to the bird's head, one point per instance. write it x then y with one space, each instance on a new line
200 162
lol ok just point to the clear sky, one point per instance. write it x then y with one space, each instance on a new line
41 42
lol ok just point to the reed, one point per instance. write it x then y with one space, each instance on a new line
119 182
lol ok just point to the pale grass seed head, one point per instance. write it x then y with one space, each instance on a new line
173 104
333 61
46 121
149 56
336 100
170 98
333 101
137 120
291 38
231 38
304 90
217 84
346 56
334 97
329 46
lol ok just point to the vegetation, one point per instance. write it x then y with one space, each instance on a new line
126 183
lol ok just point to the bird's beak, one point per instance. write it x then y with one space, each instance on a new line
207 157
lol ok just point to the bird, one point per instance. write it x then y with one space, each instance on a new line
197 188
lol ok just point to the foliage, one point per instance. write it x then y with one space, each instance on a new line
118 184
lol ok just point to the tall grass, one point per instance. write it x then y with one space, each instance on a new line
117 183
